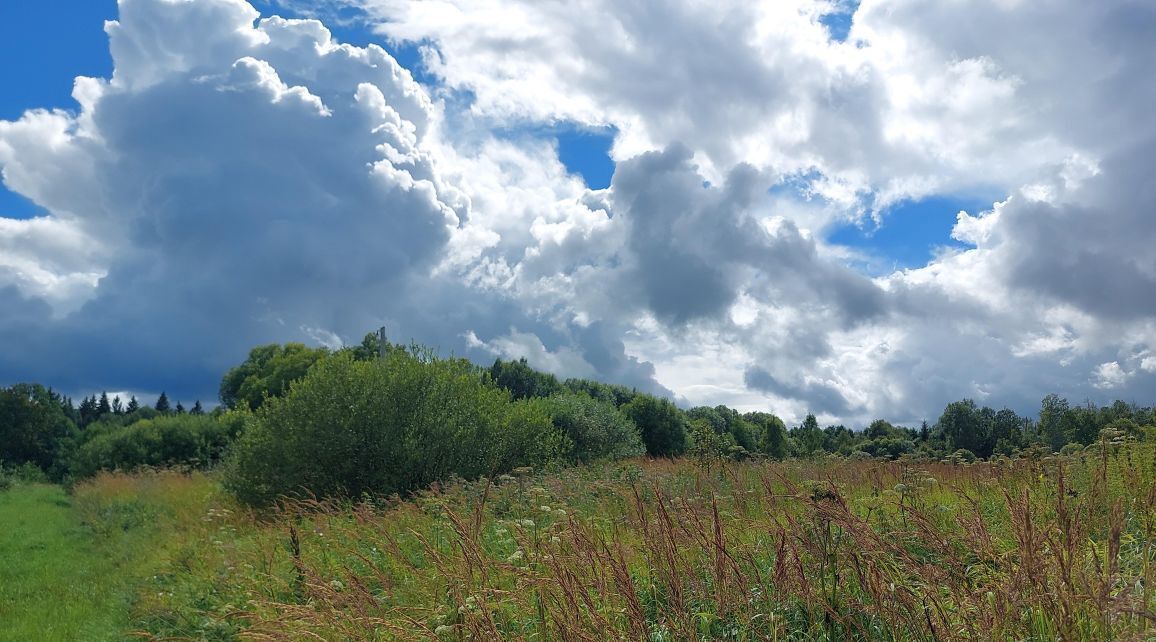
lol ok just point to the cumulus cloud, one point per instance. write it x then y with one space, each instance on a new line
238 181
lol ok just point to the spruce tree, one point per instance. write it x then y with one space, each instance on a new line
163 403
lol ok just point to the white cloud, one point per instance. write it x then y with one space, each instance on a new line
238 182
1109 375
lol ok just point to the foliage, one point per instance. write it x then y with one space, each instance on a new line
267 372
173 440
772 434
808 437
522 381
394 425
709 448
33 424
727 421
662 425
614 394
1014 550
596 428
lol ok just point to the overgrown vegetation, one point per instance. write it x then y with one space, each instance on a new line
381 492
394 425
825 549
420 419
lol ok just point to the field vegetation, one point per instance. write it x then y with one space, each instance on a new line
381 492
1057 548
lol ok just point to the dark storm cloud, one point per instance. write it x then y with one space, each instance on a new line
819 397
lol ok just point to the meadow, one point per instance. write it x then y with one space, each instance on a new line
1047 548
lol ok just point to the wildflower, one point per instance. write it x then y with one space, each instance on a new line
516 556
443 629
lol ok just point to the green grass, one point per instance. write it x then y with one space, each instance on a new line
829 549
55 583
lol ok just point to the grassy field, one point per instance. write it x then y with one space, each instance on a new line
56 581
1027 549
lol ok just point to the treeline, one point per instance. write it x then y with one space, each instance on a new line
380 418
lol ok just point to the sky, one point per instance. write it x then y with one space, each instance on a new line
854 209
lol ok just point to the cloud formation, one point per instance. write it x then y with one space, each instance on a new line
242 180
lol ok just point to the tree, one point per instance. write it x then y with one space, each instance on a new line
1007 432
33 426
879 429
117 406
662 425
267 372
180 408
162 404
89 410
198 409
1083 423
808 437
617 395
727 421
965 426
596 428
1053 427
103 407
522 381
772 434
133 405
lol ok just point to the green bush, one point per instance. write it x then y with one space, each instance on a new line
596 428
189 440
387 426
662 425
1072 448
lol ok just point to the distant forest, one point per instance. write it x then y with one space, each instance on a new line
380 418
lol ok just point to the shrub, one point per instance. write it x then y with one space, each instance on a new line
889 447
189 440
596 428
394 425
662 425
961 456
1072 448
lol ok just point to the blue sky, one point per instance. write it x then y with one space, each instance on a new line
911 231
38 72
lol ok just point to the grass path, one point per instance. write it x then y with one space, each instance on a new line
55 584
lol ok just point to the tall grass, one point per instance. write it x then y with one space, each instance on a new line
1058 548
